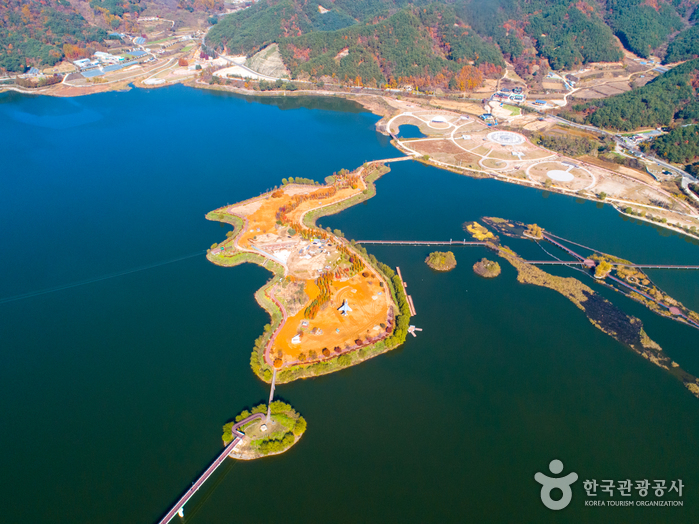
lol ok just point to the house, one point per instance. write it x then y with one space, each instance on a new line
83 62
489 119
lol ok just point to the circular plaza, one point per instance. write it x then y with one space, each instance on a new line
506 138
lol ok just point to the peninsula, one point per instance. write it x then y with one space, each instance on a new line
331 304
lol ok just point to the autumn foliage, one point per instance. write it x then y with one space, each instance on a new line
73 52
468 78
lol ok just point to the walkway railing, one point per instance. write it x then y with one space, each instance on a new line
178 508
422 242
581 262
564 248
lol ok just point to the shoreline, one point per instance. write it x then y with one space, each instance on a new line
261 363
377 104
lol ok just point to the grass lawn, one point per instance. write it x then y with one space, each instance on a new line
514 110
160 41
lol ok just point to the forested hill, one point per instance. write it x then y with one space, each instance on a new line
427 47
670 98
565 32
43 32
680 145
441 36
40 32
561 33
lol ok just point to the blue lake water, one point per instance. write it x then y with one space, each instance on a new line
113 392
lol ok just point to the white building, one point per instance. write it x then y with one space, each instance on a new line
107 57
83 62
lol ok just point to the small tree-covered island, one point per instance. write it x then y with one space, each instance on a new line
332 305
441 261
487 268
259 436
613 272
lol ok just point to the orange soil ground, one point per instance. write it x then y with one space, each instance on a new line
264 218
366 296
369 310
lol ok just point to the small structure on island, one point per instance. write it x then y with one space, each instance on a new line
344 309
263 436
487 268
412 329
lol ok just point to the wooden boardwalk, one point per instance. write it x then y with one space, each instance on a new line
422 242
178 508
564 248
581 262
555 262
411 306
396 159
591 264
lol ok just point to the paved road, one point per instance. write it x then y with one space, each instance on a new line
620 141
246 68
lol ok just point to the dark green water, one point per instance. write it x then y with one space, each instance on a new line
113 393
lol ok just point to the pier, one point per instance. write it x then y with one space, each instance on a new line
178 508
410 299
412 306
555 262
581 262
590 264
422 242
564 248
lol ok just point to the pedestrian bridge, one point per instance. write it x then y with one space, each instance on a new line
178 508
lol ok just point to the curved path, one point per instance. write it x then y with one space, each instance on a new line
178 508
496 172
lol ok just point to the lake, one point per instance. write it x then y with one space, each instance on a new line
123 350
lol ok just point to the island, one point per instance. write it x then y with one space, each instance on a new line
487 268
604 315
332 305
441 261
261 437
